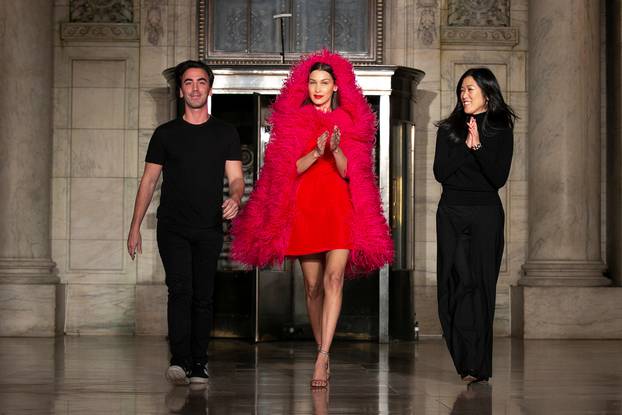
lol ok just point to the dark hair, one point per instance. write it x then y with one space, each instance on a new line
499 115
321 66
181 68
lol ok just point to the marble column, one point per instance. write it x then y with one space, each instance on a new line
564 145
614 140
27 280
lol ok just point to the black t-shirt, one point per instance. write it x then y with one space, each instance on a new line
193 159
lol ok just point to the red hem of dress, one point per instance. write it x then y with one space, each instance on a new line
315 251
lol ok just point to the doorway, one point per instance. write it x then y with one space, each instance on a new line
251 303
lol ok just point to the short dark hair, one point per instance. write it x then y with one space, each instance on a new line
321 66
181 68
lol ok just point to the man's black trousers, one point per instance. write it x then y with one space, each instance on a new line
190 257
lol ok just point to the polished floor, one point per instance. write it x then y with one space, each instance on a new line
124 375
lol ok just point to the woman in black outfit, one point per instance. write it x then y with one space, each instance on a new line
472 162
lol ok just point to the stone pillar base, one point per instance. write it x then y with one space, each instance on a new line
28 297
566 312
564 274
28 310
151 302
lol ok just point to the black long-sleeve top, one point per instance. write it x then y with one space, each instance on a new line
473 177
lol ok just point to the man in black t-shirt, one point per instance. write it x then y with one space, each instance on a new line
194 153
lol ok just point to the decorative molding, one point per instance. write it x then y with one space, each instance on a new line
100 32
564 273
101 11
202 29
375 56
28 271
500 36
379 58
426 26
478 13
153 21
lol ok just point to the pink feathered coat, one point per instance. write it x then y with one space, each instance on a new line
261 231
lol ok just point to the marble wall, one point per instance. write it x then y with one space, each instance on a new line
444 38
94 171
109 95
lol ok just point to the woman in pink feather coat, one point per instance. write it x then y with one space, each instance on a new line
317 197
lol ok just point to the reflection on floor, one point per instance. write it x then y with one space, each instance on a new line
124 375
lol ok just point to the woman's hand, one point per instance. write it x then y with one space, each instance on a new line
304 162
473 136
335 139
321 143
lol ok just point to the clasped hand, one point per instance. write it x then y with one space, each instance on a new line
473 135
335 139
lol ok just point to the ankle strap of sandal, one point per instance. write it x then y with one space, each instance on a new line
323 352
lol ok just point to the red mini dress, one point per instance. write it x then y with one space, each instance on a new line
323 208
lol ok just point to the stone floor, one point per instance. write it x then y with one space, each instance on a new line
124 375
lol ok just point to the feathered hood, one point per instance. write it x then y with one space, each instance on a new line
351 99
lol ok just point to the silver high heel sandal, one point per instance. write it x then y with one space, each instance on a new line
322 383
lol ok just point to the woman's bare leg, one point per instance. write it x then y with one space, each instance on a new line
333 294
313 272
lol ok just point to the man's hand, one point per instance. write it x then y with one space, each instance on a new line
143 198
230 208
235 177
134 243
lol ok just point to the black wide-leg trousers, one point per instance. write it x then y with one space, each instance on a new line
469 251
190 258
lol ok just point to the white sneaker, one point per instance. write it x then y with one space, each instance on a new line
199 373
177 375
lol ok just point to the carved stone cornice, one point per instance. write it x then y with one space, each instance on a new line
499 36
28 271
100 32
479 13
101 11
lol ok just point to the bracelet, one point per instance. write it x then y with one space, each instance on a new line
476 147
336 150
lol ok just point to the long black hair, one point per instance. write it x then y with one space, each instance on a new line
334 99
499 115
